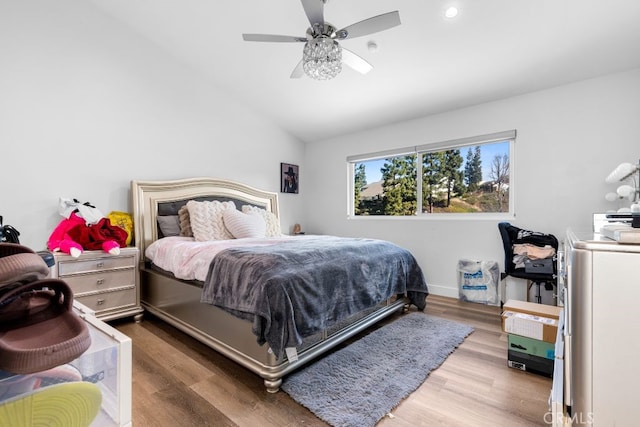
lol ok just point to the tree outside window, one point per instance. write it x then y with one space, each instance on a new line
468 179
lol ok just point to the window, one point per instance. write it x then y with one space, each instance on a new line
465 176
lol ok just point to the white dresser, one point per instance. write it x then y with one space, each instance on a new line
602 302
107 284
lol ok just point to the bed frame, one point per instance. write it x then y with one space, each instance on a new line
178 302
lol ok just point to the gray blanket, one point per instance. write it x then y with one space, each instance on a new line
297 288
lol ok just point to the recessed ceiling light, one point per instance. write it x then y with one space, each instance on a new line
451 12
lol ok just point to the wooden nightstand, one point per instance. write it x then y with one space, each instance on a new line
107 284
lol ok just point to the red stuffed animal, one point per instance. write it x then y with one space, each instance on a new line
74 234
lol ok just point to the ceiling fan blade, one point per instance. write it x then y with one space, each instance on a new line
314 10
298 71
369 26
356 62
272 38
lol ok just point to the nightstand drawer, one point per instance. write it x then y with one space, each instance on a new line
89 265
101 280
106 284
109 300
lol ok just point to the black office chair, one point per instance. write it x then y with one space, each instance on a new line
536 272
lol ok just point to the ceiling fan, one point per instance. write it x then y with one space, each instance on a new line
322 56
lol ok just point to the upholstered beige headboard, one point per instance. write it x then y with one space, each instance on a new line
149 196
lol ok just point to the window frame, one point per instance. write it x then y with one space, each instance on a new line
418 150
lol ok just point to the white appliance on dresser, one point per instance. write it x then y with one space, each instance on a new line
602 322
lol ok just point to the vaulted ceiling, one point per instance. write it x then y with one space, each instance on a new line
429 64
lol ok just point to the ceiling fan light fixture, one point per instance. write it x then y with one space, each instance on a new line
322 58
451 12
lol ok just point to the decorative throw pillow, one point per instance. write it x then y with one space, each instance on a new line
243 225
206 220
169 225
272 221
185 224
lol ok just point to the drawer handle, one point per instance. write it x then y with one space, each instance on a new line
100 281
100 301
100 264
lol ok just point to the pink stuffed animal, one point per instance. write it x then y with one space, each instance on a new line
72 235
60 239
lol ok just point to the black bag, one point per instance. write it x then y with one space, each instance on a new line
8 233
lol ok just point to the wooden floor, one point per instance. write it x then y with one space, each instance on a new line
179 382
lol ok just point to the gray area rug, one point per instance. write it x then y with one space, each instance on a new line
359 384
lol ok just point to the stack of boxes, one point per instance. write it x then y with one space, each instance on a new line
532 330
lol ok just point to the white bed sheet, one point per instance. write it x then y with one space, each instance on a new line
189 260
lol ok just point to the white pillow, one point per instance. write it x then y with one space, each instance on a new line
243 225
272 221
206 220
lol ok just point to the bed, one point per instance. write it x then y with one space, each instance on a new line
248 338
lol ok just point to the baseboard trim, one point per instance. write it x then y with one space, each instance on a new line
447 291
444 291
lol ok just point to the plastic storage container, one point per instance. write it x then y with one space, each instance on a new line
105 368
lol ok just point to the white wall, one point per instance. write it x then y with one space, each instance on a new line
86 106
569 139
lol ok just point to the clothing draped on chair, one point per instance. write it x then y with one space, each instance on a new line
529 255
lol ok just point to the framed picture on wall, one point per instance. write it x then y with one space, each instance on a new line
289 178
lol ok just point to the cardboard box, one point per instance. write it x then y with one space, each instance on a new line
543 310
530 325
529 363
531 346
537 321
